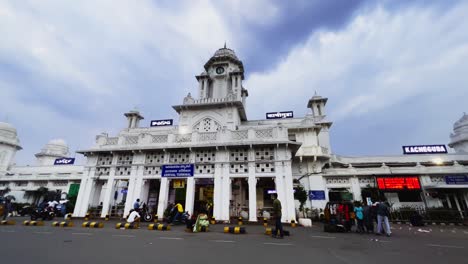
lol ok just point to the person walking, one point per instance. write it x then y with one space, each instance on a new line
359 217
277 215
368 218
383 212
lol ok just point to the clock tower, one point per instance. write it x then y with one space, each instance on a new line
221 96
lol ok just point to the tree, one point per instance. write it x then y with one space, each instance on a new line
301 196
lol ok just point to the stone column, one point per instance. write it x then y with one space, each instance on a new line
225 192
252 194
132 186
109 194
355 188
84 194
190 195
163 195
217 193
290 205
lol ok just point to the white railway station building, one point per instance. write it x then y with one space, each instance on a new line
213 154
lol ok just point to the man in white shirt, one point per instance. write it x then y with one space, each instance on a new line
134 218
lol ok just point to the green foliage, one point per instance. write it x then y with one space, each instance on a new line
301 196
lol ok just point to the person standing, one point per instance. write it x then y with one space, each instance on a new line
359 217
368 218
383 212
277 215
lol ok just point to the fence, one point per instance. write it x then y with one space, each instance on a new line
430 215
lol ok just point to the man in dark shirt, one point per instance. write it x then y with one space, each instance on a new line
277 216
383 212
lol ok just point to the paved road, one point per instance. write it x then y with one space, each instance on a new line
47 244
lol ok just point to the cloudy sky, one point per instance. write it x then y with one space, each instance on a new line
395 72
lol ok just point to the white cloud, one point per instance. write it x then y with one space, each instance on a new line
379 60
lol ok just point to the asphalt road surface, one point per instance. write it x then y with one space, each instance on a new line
47 244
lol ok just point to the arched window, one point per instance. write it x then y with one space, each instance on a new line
207 125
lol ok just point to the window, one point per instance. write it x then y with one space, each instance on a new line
409 196
319 110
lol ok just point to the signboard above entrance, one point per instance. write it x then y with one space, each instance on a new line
425 149
178 170
278 115
456 179
398 183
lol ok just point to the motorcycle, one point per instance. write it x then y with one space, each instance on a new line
45 214
146 215
184 217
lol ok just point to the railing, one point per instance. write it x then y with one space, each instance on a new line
131 140
183 138
240 135
264 133
112 141
159 139
430 215
208 136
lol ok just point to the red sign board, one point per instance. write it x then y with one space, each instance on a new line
398 183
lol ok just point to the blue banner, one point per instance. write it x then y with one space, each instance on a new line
178 170
64 161
316 195
456 179
165 122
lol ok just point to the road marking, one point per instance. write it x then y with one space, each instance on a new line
46 233
329 237
443 246
278 244
224 241
8 231
173 238
83 234
123 235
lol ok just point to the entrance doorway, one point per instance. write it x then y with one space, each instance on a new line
204 189
177 192
153 196
239 202
265 188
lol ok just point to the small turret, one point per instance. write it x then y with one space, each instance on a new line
133 118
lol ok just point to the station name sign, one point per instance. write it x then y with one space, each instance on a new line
178 170
425 149
165 122
456 179
64 161
279 115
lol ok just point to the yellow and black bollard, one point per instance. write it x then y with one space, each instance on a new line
239 220
155 219
160 227
33 223
68 217
7 222
268 231
87 216
107 217
63 224
92 224
265 222
213 220
234 229
293 223
127 225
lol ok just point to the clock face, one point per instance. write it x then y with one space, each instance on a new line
219 70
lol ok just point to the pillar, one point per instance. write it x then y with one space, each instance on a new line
252 196
356 188
163 194
225 193
290 205
109 194
217 193
84 194
190 195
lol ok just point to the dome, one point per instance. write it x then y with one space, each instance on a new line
7 127
463 121
55 148
225 52
58 142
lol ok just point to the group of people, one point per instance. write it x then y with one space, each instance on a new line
366 215
6 207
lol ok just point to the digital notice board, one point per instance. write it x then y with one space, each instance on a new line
398 183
